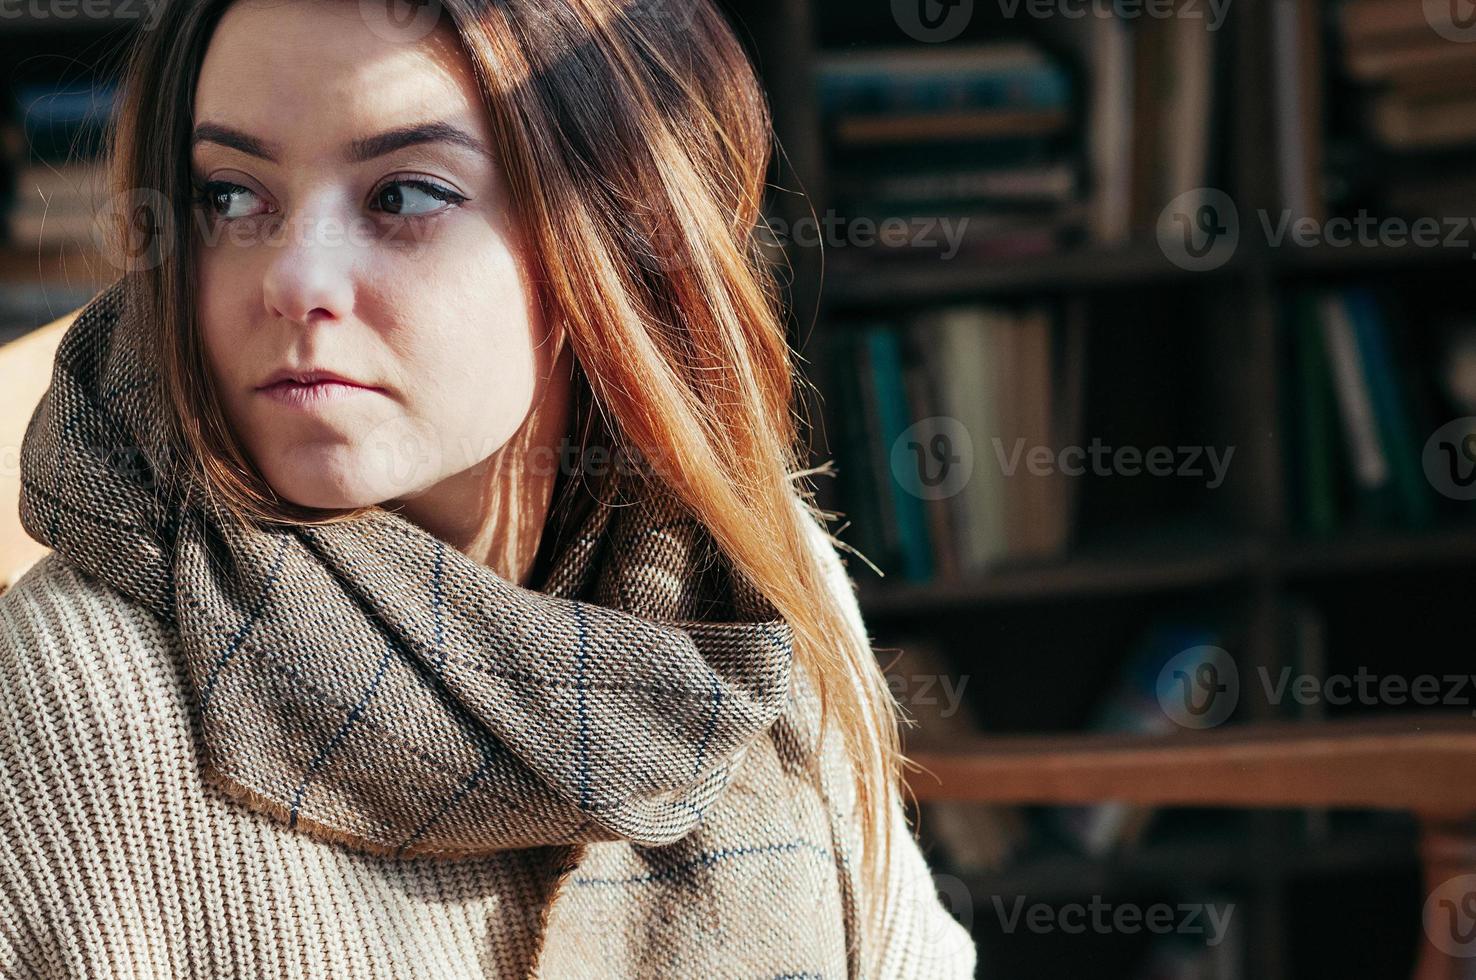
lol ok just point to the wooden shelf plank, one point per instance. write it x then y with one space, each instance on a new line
1215 859
1377 551
55 263
904 282
1206 566
1099 575
1424 763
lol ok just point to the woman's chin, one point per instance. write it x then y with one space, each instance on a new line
331 485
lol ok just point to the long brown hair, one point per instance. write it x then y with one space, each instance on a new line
636 146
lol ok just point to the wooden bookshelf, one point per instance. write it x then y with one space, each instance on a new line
1086 269
1250 555
1208 859
66 264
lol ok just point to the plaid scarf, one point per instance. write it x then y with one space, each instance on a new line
367 683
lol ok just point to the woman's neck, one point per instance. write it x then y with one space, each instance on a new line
495 512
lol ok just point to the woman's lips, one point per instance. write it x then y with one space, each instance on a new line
311 395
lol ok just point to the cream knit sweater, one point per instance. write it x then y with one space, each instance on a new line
116 860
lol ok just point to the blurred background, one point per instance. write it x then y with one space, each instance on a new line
1140 345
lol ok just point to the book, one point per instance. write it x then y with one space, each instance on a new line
1297 54
64 121
56 202
1405 123
959 343
1382 21
959 125
922 388
1188 117
913 550
909 80
1388 63
934 190
1314 458
1371 467
1397 433
859 495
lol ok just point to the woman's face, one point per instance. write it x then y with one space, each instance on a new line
355 223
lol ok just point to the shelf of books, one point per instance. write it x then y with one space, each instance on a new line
56 101
1142 354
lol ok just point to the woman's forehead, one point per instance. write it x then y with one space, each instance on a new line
300 81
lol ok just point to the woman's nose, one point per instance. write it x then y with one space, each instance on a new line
310 274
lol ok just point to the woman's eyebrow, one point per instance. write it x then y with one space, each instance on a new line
357 151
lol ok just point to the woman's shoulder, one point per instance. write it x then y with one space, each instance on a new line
72 640
56 605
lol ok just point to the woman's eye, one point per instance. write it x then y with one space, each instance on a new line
415 197
228 200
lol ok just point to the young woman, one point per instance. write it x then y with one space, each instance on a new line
432 590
